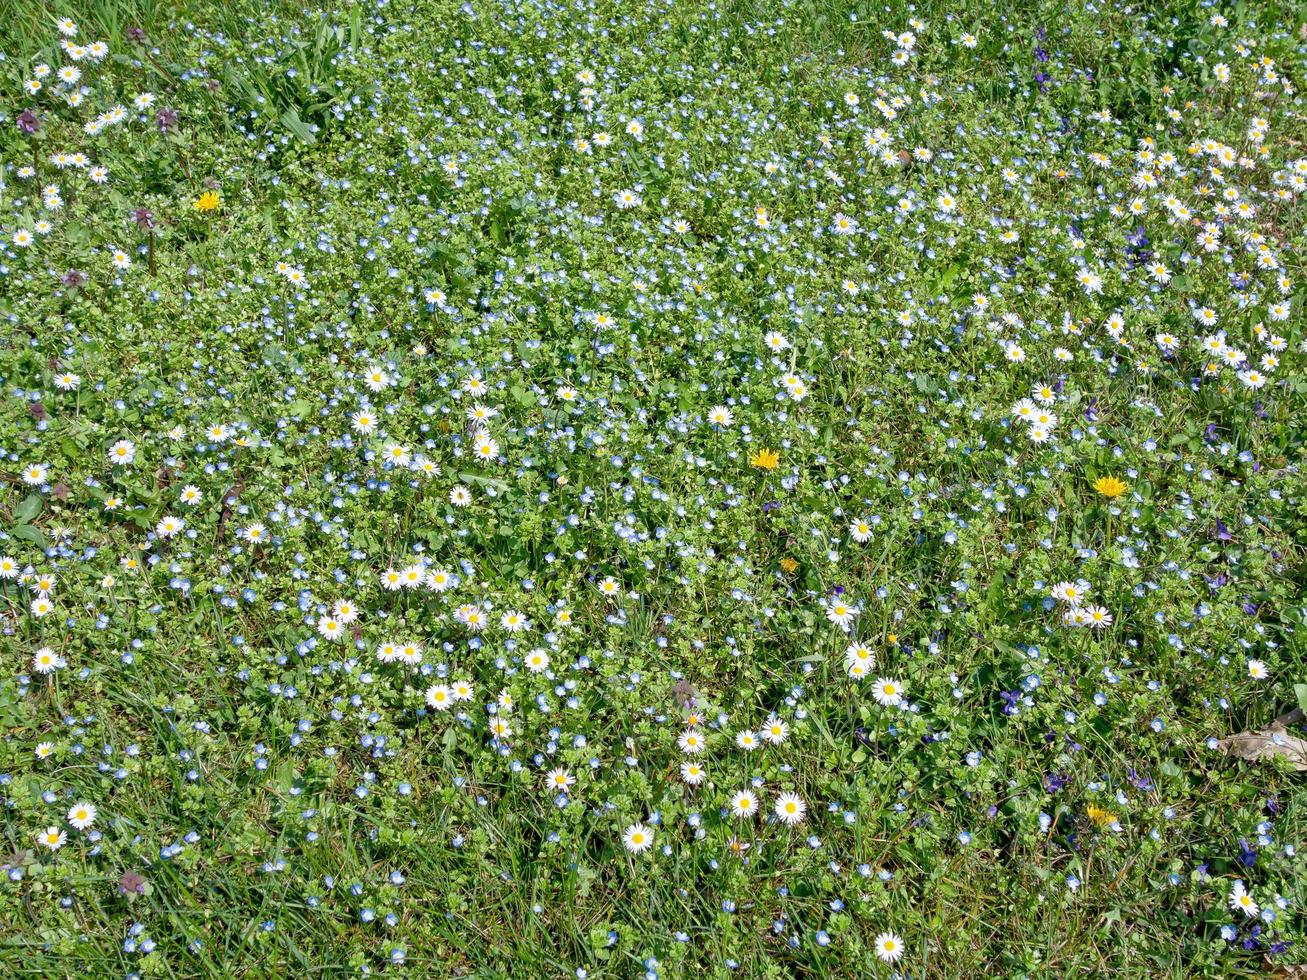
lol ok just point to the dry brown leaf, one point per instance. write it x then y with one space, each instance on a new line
1273 740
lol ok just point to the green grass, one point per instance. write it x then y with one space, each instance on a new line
256 774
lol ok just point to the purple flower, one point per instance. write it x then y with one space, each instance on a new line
1221 532
28 121
1140 782
166 119
144 218
74 278
131 883
136 35
1247 856
1091 410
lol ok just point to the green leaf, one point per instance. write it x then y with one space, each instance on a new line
26 511
285 776
483 481
14 712
77 233
1300 692
141 518
30 534
298 128
948 276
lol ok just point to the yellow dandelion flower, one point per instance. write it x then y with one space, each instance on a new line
765 459
789 565
1100 816
208 201
1111 487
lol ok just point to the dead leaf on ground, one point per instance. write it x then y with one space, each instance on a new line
685 694
1275 739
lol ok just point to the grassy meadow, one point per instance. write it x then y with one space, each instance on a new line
593 489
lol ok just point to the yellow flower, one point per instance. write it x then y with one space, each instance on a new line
1100 816
1110 487
765 459
892 639
788 565
208 201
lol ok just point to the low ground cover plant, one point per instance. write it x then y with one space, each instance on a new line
604 489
